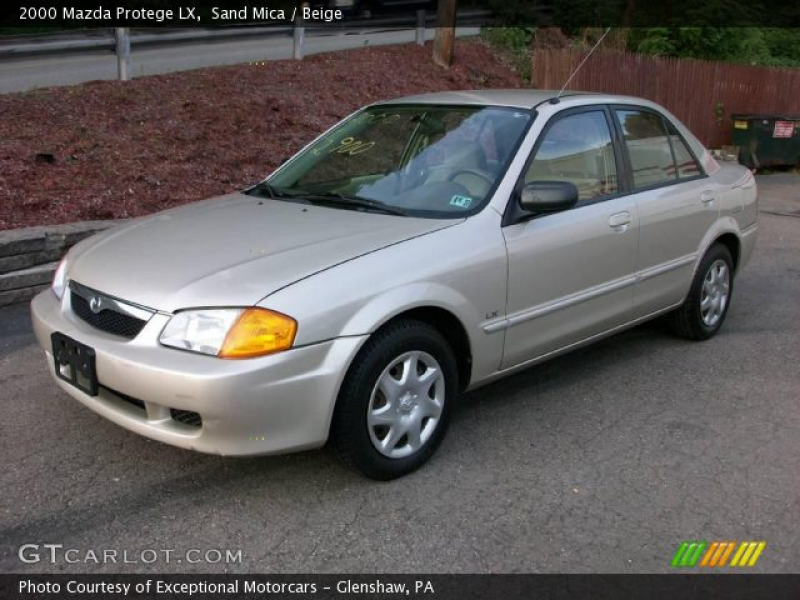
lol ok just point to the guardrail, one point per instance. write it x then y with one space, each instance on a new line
40 45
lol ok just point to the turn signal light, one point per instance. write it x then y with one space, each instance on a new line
258 332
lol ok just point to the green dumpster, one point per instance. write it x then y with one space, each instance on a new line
767 140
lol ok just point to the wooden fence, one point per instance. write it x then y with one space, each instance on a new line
702 94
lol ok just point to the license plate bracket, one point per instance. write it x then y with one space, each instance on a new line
75 363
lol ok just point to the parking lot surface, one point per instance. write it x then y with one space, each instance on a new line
603 460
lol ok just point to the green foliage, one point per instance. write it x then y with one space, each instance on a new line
783 46
749 45
514 39
515 44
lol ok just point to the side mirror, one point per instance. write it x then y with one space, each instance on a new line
284 160
548 196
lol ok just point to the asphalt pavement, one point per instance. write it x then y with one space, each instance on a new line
600 461
70 68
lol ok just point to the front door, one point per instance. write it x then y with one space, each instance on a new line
571 273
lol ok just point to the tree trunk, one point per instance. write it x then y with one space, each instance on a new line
445 37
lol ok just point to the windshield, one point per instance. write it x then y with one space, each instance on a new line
423 160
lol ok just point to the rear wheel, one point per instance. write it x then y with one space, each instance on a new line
395 403
705 308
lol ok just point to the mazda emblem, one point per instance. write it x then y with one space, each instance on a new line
96 304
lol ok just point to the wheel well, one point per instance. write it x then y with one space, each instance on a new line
731 242
453 331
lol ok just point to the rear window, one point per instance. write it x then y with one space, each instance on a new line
648 147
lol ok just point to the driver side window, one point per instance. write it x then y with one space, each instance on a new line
577 148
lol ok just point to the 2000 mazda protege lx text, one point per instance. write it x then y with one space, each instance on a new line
421 247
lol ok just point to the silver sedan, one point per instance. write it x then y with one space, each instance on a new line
419 248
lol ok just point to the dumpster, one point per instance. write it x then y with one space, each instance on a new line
767 140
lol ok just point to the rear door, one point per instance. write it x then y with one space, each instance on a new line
676 202
571 273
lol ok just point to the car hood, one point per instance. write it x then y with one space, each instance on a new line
231 251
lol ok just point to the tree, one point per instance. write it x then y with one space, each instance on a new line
735 44
444 40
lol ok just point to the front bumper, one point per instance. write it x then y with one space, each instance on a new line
277 403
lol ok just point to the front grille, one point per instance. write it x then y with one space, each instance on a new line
186 417
107 320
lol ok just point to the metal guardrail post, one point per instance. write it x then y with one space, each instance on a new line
123 35
299 34
420 38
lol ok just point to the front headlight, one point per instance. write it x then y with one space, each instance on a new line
230 332
60 279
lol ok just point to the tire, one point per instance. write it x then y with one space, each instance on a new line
386 423
694 320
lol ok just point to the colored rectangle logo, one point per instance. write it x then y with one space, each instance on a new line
717 554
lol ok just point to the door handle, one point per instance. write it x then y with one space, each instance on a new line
619 221
707 197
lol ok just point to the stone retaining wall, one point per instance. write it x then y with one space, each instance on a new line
28 257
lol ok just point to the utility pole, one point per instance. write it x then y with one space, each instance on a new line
444 40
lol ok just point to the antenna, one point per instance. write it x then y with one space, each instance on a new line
575 72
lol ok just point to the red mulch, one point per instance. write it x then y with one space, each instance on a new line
107 150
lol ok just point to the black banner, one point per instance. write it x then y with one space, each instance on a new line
75 14
413 587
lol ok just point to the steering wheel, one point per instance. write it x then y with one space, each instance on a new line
474 172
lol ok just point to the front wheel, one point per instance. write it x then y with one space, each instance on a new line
395 403
705 308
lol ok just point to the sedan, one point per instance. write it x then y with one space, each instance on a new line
420 248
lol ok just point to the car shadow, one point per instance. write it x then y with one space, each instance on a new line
568 370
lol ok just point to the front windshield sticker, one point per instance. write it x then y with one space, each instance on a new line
460 201
352 146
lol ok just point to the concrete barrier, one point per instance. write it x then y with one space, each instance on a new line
28 257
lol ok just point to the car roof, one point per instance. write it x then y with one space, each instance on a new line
514 98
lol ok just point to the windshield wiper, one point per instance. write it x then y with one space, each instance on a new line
356 201
337 198
271 191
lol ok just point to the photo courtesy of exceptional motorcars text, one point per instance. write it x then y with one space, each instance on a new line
426 299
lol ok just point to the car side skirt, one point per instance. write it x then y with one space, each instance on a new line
566 349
